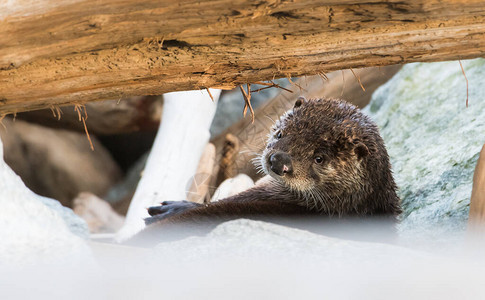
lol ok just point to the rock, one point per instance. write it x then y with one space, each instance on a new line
241 239
36 230
98 214
434 141
232 186
77 225
107 117
57 163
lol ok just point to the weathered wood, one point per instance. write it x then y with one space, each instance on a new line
227 163
64 52
175 155
200 187
476 221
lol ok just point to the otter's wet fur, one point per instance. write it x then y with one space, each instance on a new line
324 158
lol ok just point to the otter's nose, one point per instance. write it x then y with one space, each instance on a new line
280 163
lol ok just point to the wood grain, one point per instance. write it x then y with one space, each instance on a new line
85 50
476 219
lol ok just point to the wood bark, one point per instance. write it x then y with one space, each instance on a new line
199 190
68 52
476 221
229 151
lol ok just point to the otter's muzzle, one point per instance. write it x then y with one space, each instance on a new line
280 163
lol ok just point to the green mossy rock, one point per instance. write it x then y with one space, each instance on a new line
433 140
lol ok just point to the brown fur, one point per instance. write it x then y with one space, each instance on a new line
352 178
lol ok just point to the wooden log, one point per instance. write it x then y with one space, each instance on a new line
104 117
345 85
476 221
65 52
199 190
227 162
175 155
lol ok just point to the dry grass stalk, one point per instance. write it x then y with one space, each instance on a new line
247 100
78 108
210 95
358 79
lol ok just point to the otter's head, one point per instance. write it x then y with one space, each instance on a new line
324 148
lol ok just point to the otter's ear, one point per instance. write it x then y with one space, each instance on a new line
361 150
300 101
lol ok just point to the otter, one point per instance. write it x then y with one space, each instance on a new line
324 158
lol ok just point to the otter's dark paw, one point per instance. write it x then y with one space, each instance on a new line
168 209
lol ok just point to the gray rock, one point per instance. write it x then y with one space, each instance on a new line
57 163
434 141
248 239
36 230
75 224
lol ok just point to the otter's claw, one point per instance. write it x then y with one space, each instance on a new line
168 209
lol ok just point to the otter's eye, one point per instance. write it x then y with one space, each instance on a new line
318 159
279 134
